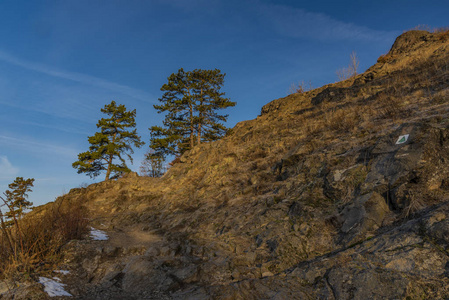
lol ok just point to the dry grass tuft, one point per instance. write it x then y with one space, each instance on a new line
34 245
389 106
441 97
343 119
442 33
414 205
443 36
385 58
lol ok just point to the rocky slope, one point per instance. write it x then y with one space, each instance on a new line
314 199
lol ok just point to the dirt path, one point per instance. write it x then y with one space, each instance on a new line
113 265
132 237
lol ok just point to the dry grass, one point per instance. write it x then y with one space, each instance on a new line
343 119
34 245
397 93
385 58
414 205
440 97
416 55
389 106
425 27
444 35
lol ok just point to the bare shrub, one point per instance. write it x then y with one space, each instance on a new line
351 70
423 27
353 64
443 33
152 165
343 74
441 30
300 87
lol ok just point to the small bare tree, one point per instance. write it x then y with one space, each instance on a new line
353 64
300 87
351 70
152 165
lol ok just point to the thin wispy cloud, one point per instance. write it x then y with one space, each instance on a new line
61 127
7 170
299 23
34 147
62 123
76 77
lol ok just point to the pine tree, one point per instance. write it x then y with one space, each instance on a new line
16 198
191 101
114 140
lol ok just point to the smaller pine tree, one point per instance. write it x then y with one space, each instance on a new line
16 199
114 140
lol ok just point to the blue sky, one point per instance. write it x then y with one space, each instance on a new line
62 61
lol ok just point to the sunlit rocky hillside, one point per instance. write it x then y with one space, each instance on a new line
340 192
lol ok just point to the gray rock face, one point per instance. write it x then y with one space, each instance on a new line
403 262
366 214
402 173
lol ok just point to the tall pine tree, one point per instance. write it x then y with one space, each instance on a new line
191 100
114 140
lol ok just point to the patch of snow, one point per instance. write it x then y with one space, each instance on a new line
53 288
63 272
98 235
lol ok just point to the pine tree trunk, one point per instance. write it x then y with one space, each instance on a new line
108 172
201 119
192 136
192 128
199 134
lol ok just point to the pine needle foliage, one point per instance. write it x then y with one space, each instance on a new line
115 140
191 100
16 198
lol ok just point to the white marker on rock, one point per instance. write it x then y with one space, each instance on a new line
402 139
